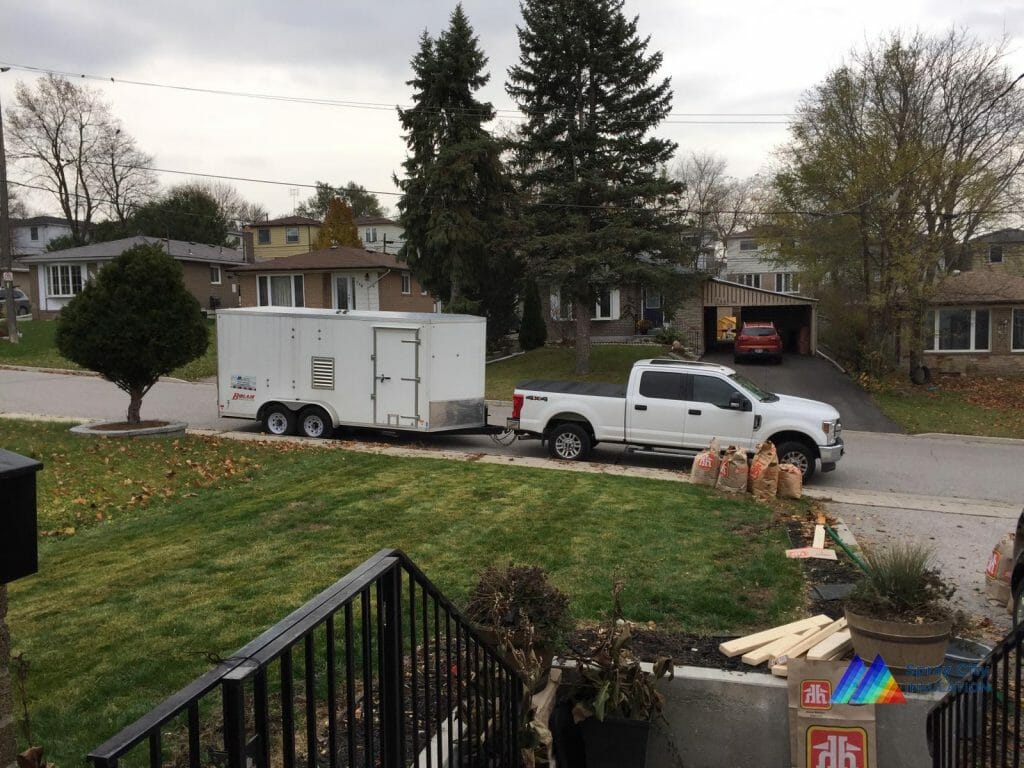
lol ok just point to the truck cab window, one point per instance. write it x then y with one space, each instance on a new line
661 385
708 389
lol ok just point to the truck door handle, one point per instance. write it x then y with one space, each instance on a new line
383 378
693 412
640 407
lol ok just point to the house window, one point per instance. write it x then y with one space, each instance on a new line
1017 344
214 274
371 235
652 300
280 291
406 283
33 233
749 280
64 280
263 236
995 254
783 282
957 330
291 234
606 307
748 245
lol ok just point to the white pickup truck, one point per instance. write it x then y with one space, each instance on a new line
675 406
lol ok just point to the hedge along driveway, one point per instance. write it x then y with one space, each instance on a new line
126 610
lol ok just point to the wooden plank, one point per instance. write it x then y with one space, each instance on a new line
743 644
805 644
803 553
838 644
819 537
762 654
780 670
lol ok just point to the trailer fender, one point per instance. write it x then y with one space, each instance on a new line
298 406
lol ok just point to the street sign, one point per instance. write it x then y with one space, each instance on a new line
8 277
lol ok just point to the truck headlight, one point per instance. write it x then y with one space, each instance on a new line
831 430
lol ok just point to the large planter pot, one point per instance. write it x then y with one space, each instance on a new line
905 648
615 742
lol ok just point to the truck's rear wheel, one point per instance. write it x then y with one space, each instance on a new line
314 422
279 420
797 454
570 442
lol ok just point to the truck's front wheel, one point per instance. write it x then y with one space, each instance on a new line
799 455
570 442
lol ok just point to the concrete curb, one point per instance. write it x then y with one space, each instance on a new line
971 438
78 372
93 428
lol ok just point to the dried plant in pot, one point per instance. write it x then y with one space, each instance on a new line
900 611
615 698
519 610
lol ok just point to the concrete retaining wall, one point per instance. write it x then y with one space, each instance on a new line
735 719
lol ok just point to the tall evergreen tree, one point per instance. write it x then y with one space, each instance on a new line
596 195
455 194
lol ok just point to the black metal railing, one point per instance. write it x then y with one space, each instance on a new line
377 670
978 723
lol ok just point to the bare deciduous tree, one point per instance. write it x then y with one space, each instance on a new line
125 179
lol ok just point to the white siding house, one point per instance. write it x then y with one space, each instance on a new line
380 234
32 235
751 264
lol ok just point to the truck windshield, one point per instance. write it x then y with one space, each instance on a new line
752 388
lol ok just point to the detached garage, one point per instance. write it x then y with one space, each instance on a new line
795 317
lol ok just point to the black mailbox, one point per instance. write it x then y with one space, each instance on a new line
19 554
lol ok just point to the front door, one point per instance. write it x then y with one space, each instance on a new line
344 295
396 376
708 414
656 412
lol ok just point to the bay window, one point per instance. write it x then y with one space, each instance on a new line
957 329
64 280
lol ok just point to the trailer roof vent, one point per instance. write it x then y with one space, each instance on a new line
323 373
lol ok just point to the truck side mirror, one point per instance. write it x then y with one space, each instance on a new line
739 403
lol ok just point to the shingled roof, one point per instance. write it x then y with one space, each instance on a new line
338 257
980 286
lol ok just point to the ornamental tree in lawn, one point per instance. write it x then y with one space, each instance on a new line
600 209
133 323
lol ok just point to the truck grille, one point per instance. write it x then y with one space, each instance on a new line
323 373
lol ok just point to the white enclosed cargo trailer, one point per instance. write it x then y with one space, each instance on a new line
310 370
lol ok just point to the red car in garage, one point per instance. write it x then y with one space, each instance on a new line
758 340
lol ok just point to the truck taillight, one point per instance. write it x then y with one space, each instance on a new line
517 406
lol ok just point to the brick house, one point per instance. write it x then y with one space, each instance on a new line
58 276
976 323
1001 251
339 277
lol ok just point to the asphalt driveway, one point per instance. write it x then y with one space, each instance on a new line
817 379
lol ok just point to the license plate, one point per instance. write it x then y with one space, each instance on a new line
758 351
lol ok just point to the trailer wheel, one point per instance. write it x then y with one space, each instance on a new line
799 455
314 422
569 441
279 420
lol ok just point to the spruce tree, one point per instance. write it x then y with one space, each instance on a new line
455 194
597 201
533 333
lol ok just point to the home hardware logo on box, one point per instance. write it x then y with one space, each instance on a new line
816 694
868 685
831 746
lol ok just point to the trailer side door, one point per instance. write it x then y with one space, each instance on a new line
396 376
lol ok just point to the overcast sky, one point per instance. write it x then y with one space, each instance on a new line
729 57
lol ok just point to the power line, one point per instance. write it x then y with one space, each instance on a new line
692 118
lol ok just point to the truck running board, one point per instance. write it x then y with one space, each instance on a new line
684 452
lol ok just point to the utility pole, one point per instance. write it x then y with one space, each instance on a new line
6 257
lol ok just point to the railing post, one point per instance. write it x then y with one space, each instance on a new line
233 693
392 737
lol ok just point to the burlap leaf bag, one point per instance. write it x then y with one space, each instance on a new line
705 465
732 474
764 472
791 482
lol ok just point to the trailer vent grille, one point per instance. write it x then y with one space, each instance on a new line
323 373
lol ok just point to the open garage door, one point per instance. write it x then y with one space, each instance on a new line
794 316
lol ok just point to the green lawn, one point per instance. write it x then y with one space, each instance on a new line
978 406
188 547
36 348
608 362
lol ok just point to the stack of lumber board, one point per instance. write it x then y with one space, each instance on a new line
816 638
